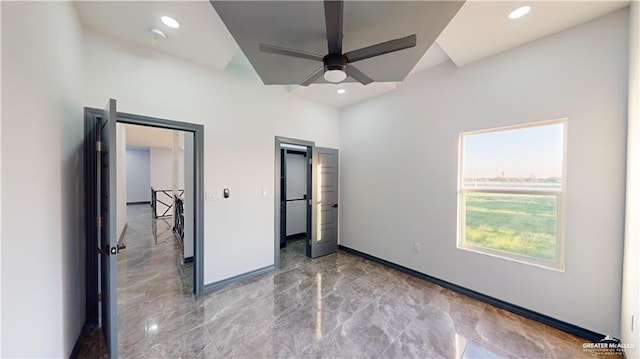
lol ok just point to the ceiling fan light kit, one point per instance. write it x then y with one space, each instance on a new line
334 68
335 76
336 65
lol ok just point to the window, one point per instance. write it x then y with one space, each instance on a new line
511 192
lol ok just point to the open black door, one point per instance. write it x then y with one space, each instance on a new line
106 183
325 239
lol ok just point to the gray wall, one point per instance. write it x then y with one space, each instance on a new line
399 165
138 175
296 188
161 160
42 182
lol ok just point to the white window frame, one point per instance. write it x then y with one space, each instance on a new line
560 194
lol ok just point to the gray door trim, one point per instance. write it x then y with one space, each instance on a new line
108 238
278 168
198 148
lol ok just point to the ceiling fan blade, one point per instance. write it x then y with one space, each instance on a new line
358 75
381 48
333 11
289 52
314 76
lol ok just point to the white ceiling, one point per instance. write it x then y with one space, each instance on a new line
202 37
481 28
478 30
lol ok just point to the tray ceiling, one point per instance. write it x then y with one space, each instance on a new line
300 25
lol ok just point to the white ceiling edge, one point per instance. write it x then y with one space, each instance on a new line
481 28
355 92
434 56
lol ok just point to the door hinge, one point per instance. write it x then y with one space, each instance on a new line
99 296
310 161
99 221
98 146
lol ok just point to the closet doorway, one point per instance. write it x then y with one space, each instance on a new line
306 198
295 204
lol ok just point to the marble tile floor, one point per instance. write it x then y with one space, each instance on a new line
337 306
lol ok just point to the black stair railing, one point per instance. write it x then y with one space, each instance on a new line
178 219
162 202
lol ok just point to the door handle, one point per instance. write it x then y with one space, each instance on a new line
335 205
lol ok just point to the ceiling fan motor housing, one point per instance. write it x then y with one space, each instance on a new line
335 62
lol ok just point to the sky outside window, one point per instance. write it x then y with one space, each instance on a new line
520 155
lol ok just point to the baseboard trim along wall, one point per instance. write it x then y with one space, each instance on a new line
544 319
225 282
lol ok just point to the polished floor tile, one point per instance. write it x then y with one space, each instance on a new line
337 306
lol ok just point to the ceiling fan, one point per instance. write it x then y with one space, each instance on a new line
336 65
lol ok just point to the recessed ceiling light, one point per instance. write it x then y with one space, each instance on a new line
519 12
171 22
341 91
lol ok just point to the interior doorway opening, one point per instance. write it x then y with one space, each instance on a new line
194 141
193 182
293 197
315 198
158 166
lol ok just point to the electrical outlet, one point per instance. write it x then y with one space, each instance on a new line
416 247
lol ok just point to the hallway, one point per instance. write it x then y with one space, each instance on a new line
337 306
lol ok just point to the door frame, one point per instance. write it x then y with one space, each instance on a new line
198 177
285 153
198 203
278 191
